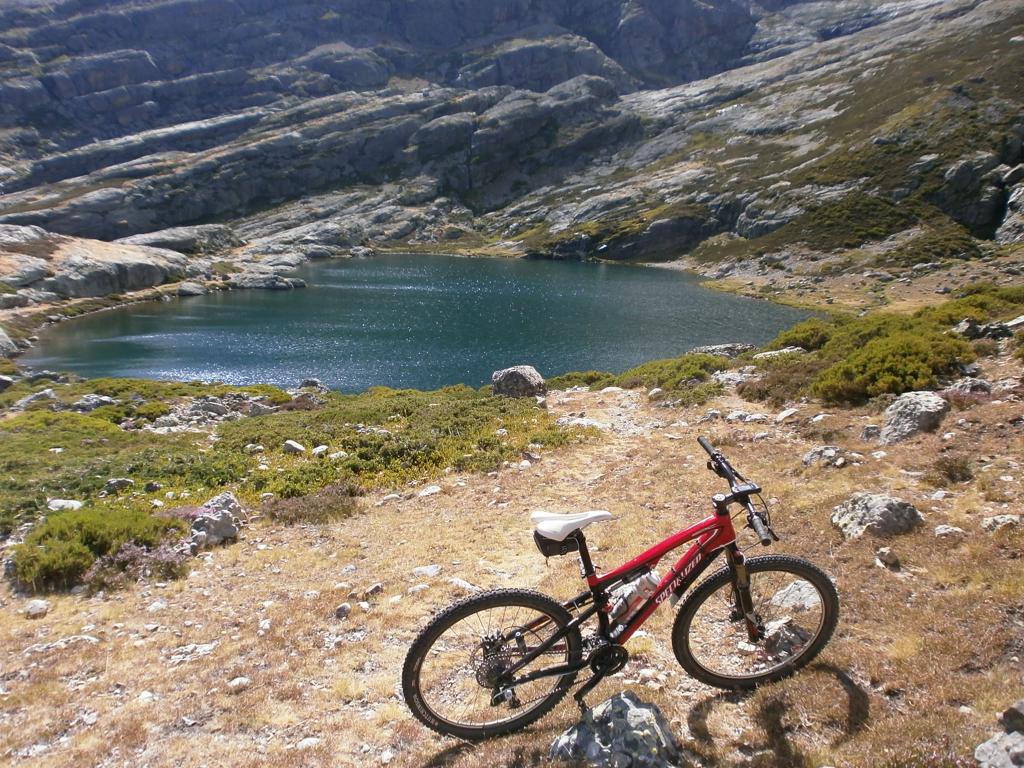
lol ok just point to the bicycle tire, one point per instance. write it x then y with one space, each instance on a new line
730 634
420 700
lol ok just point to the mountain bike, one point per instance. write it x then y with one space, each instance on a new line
499 660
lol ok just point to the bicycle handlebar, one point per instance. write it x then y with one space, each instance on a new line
721 467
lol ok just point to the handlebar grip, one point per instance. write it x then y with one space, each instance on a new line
760 529
706 445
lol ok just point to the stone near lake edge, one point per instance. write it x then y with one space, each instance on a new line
518 381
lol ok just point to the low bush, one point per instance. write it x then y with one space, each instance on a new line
592 379
58 552
674 374
897 362
334 502
810 334
950 469
132 563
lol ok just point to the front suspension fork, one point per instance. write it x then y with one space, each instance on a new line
744 603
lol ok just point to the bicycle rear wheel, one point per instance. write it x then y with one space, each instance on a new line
796 606
452 669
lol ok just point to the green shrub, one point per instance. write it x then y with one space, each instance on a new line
57 565
58 552
891 364
592 379
673 374
810 334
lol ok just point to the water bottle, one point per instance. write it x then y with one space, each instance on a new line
627 598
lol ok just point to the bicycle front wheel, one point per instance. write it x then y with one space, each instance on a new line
796 608
455 666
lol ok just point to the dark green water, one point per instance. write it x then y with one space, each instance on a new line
414 321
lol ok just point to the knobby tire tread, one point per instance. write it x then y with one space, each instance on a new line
765 564
449 616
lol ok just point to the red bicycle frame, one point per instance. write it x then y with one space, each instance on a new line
709 536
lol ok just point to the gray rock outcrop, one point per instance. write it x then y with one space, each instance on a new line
875 514
201 239
7 345
518 381
911 414
1006 749
621 731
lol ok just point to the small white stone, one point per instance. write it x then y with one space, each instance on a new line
36 609
337 455
308 743
320 450
291 446
786 414
146 697
427 571
239 684
430 490
63 505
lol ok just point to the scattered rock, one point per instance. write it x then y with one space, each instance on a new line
463 585
875 514
192 289
291 446
35 397
734 349
343 611
36 609
870 432
827 456
912 413
320 450
779 352
63 505
782 416
971 329
621 731
427 571
239 684
1006 749
949 532
116 484
970 386
308 743
887 558
518 381
91 402
430 490
999 522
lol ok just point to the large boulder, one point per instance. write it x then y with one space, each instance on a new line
518 381
218 521
875 514
622 731
911 413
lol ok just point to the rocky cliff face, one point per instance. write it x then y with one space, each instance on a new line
613 128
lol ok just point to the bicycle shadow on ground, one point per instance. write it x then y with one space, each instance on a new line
771 717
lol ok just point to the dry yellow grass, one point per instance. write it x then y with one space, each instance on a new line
922 661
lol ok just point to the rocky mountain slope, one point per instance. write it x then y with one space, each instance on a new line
805 139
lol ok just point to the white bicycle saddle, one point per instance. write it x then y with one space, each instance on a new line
552 525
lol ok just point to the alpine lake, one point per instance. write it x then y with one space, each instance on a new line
414 321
